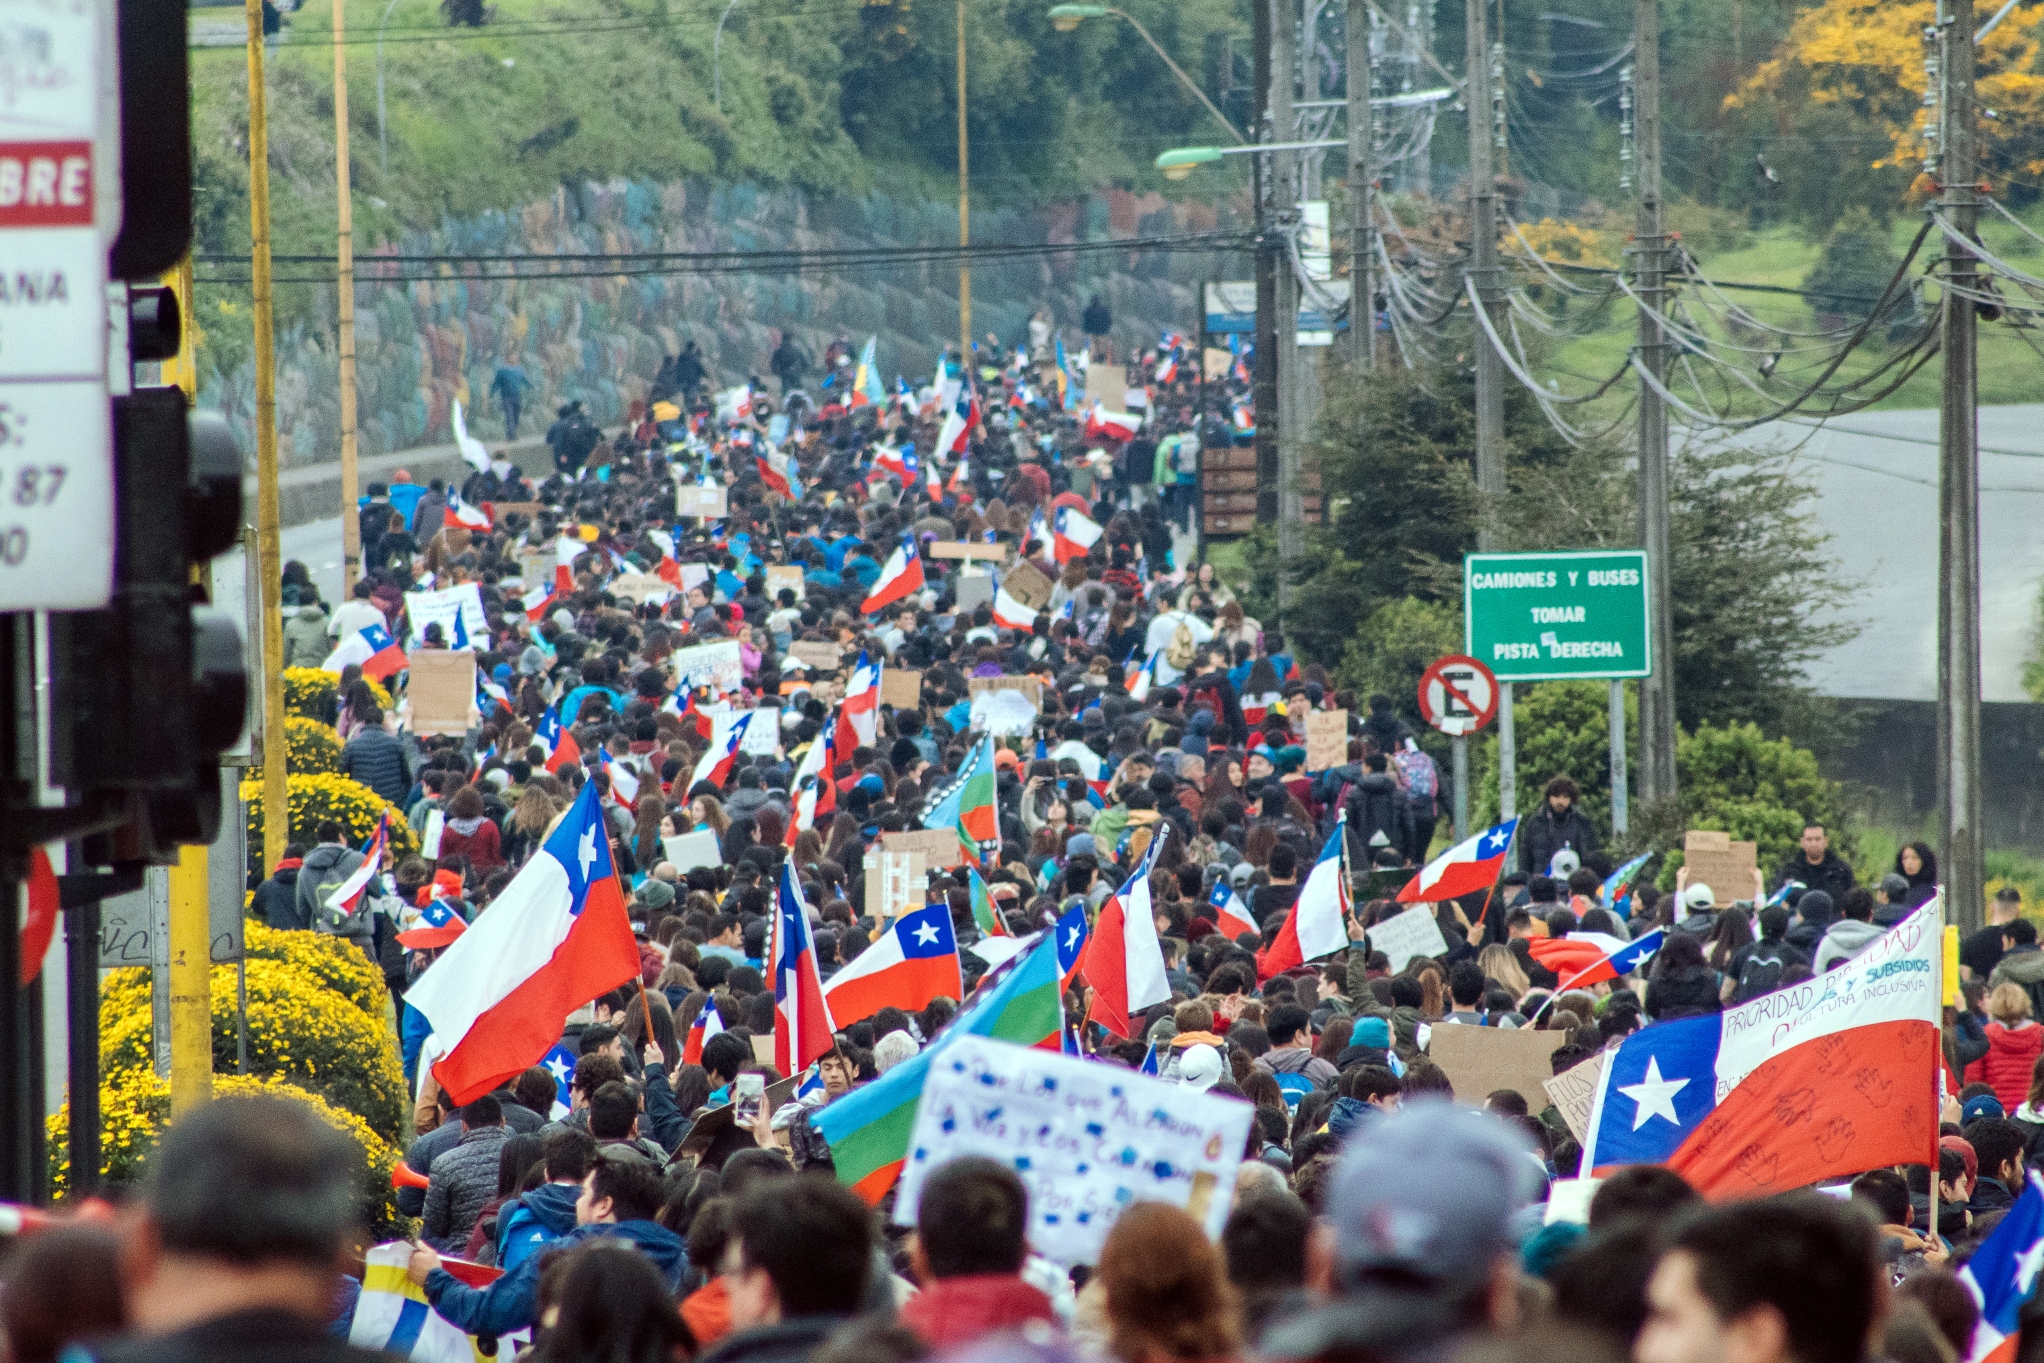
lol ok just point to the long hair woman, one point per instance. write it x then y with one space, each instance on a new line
1167 1292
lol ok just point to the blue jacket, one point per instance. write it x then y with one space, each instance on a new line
534 1221
510 1303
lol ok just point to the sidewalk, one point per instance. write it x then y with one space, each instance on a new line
311 492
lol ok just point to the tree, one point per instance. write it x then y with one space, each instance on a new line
1855 265
1737 780
1391 648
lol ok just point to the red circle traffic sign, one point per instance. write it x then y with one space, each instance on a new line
1458 695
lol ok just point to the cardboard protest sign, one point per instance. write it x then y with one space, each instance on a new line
499 510
639 588
901 688
1574 1092
695 575
441 607
1003 713
690 850
1416 932
1086 1139
973 589
715 665
896 882
780 578
442 691
938 847
762 736
1481 1060
1032 687
1216 362
818 655
1027 583
710 503
1326 739
956 549
1713 859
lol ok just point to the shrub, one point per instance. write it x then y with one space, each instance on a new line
298 1029
311 747
334 962
317 797
135 1107
1396 644
1737 780
308 689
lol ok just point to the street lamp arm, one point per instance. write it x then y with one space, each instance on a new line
1179 72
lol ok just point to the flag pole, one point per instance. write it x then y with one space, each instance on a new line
625 893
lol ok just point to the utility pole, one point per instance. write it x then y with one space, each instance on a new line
1265 377
269 545
1362 199
351 522
964 212
1284 65
1483 273
1959 485
1656 690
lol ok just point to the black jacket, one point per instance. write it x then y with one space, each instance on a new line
1374 806
259 1336
1830 875
377 759
792 1341
1541 835
1684 994
276 901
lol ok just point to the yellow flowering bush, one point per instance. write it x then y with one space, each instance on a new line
317 797
135 1108
310 746
334 962
1564 242
299 1029
307 690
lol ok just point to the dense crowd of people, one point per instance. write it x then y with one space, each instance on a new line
1378 1213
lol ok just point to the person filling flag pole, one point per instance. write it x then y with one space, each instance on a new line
1073 534
1807 1083
709 1022
372 649
1010 613
1231 915
556 937
984 914
1125 963
1473 864
1318 922
815 792
346 895
775 480
899 576
911 964
858 715
717 760
803 1029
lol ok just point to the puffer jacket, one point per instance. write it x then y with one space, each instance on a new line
305 636
377 760
464 1183
2010 1060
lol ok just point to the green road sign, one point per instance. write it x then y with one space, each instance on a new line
1547 617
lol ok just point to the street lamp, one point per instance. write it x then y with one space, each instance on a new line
1065 18
1183 161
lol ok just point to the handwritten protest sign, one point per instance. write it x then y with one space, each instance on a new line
901 687
818 655
707 502
762 735
1481 1060
1027 583
937 847
1574 1092
1086 1139
1326 739
1002 711
1715 860
1416 932
442 691
716 665
781 578
958 549
440 608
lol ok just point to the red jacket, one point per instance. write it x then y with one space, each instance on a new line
955 1311
484 847
2011 1058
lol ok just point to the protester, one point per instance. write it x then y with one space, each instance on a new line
972 1227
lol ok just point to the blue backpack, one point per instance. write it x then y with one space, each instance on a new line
1294 1086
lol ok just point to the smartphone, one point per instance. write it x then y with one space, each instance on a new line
749 1096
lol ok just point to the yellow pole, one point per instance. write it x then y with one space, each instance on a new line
191 983
269 550
351 523
964 210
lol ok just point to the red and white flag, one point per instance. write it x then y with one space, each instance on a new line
858 716
1124 962
1317 926
722 754
1470 865
708 1023
803 1029
1012 614
1231 915
901 575
1073 534
538 602
348 894
462 515
814 786
1102 424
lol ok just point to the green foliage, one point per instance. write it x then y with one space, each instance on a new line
1561 729
1856 263
1394 645
1737 780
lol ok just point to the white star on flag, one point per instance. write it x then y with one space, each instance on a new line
926 936
586 853
1493 842
1653 1095
1073 940
2027 1264
559 1069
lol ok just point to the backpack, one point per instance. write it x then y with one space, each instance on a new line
1179 652
1419 776
1294 1086
1762 972
331 920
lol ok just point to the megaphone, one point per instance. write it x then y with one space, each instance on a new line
402 1175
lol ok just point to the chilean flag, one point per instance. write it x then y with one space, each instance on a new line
461 514
775 480
1586 958
437 926
1012 614
537 602
1470 865
858 716
1102 424
708 1023
1167 368
959 421
1039 535
1829 1077
1318 923
899 576
1124 964
562 749
914 962
888 459
1231 915
1140 680
691 717
1073 534
348 893
2002 1275
722 754
819 795
553 940
372 649
1073 938
803 1030
566 551
624 783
